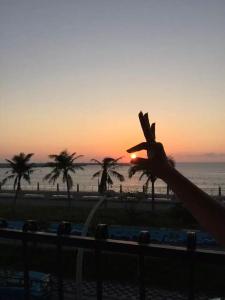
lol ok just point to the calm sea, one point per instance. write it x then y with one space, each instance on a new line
206 175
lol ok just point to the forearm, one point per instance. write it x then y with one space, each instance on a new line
208 212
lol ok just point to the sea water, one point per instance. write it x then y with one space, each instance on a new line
208 176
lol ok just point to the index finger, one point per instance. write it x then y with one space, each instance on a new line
145 125
139 147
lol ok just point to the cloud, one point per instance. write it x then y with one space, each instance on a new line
213 154
201 156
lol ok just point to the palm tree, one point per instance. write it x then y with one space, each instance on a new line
108 166
150 177
20 168
172 162
63 164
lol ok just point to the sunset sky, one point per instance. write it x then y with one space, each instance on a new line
75 73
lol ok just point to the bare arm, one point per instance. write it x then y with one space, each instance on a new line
208 212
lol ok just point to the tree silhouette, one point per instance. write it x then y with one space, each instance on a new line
107 171
145 172
63 164
20 169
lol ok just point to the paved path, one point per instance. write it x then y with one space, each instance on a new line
117 291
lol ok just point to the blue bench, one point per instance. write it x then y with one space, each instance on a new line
13 289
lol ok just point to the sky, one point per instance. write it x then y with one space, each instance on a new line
75 73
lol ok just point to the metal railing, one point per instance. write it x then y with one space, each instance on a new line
213 191
100 244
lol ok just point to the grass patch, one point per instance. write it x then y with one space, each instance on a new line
176 217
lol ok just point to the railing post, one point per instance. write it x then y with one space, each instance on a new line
143 239
64 228
30 225
100 234
57 187
78 188
121 188
38 186
26 264
143 189
191 246
219 191
60 271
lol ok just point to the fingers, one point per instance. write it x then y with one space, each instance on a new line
149 131
139 147
145 125
152 129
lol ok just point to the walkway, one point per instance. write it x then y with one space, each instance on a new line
115 291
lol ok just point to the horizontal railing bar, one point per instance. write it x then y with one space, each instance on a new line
110 245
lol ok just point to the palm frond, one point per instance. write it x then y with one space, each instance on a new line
47 177
119 176
116 160
28 157
134 169
26 177
78 156
77 167
142 175
53 178
108 160
96 161
147 181
9 161
109 180
97 174
7 179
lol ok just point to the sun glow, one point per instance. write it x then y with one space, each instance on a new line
133 155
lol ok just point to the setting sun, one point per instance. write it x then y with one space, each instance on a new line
133 155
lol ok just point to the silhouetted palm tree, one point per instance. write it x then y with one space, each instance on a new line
172 162
108 166
144 173
63 164
20 168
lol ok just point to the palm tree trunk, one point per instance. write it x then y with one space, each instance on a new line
103 183
68 192
153 195
18 189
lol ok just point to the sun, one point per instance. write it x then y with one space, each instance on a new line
133 155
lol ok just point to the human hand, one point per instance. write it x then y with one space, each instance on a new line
157 162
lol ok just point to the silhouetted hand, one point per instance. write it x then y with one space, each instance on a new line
157 162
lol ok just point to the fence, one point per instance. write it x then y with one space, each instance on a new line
100 244
162 190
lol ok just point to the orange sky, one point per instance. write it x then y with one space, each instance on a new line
74 75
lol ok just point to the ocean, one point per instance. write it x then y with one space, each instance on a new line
208 176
